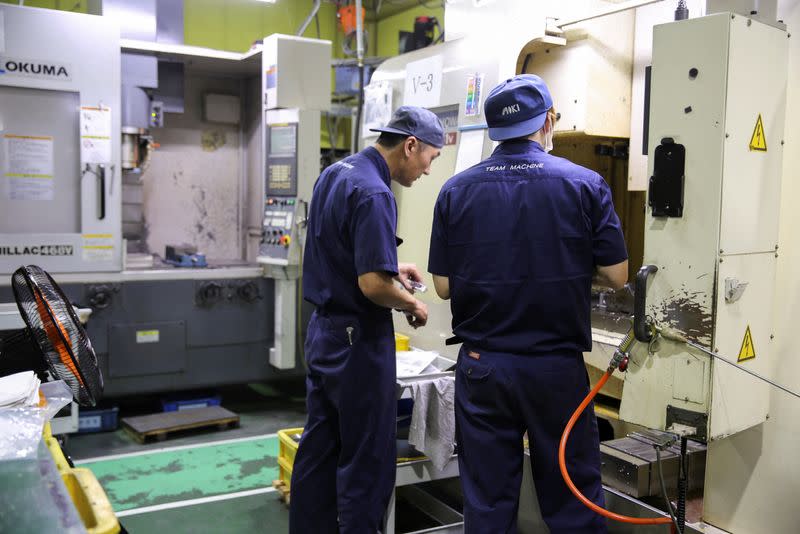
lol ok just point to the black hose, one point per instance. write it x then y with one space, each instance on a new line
357 136
664 489
682 487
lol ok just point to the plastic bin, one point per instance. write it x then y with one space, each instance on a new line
401 342
288 441
176 405
97 420
85 491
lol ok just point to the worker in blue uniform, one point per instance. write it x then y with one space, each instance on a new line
344 470
516 241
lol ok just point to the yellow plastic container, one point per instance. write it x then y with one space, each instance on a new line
401 342
86 492
288 441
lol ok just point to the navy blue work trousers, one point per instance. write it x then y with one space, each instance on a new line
344 470
498 397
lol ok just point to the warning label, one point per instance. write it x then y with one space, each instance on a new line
758 140
748 350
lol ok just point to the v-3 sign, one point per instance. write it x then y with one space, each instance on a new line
423 86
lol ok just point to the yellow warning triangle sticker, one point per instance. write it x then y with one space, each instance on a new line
748 350
758 141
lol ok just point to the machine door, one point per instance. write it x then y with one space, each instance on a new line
40 161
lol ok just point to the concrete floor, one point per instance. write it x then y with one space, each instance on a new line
214 480
198 481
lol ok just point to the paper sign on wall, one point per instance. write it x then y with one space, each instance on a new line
95 134
470 149
377 106
424 82
28 167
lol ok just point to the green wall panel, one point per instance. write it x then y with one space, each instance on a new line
235 24
76 6
389 28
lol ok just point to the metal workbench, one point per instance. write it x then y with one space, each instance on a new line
411 473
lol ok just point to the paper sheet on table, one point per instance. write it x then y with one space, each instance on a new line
470 149
414 362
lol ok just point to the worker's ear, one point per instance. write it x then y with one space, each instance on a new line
409 145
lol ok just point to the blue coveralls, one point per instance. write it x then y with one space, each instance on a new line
344 470
519 236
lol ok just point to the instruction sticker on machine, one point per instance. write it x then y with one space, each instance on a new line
758 141
27 167
472 104
147 336
95 134
748 350
98 247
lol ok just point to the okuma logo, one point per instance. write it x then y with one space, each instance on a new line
510 110
33 68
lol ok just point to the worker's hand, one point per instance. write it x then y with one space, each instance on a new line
406 272
419 315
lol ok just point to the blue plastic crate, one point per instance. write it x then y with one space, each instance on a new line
97 420
177 405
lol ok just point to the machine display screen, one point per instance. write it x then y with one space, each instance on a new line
283 139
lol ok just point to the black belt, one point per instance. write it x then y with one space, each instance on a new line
455 340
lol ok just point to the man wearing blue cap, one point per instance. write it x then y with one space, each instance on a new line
344 470
515 243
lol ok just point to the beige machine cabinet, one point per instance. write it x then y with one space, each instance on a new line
292 100
589 75
293 68
715 92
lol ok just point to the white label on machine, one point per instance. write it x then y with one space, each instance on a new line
424 82
2 34
28 167
377 106
470 149
98 247
147 336
95 134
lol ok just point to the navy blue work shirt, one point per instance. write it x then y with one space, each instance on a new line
351 231
519 236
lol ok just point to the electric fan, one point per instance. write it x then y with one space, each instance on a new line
54 339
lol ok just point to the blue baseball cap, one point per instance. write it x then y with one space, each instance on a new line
419 122
517 107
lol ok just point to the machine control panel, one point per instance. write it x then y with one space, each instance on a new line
278 229
280 200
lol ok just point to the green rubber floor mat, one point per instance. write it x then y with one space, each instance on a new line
179 475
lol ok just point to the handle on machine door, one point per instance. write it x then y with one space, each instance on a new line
101 191
640 328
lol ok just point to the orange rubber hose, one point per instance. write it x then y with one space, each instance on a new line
562 463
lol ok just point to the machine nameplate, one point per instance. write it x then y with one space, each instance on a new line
34 68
